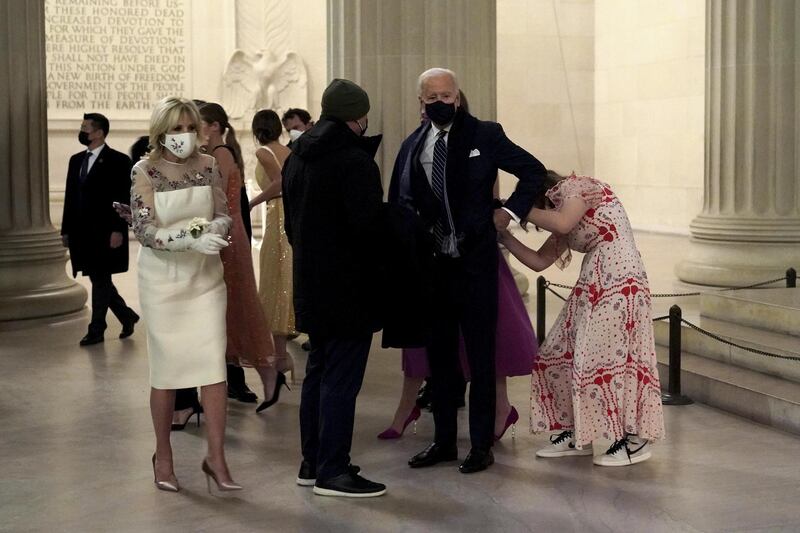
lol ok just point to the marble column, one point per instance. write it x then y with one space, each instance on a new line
749 229
33 280
384 45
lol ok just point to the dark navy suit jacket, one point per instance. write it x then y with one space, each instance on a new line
475 151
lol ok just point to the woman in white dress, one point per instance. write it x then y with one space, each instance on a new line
180 217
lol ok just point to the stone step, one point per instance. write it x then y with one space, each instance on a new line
698 344
765 399
771 309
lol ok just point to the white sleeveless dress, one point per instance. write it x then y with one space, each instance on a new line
181 292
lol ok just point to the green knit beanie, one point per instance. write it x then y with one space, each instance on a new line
344 100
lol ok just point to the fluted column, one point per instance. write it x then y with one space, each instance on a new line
749 229
384 45
33 281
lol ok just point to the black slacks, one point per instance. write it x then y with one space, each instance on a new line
334 373
465 303
105 297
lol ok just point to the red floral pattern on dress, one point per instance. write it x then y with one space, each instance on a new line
596 372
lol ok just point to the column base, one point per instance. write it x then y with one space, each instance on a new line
736 264
33 281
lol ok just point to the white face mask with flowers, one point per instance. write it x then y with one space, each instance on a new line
180 144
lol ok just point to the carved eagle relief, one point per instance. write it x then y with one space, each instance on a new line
264 80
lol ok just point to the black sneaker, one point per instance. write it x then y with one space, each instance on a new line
349 485
307 476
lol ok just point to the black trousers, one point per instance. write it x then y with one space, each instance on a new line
465 303
334 373
105 297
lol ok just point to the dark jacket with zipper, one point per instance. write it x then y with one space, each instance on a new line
333 201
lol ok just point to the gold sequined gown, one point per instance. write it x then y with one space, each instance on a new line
275 264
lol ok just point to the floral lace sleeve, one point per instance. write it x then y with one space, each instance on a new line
143 214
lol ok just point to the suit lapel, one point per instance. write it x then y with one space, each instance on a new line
98 164
459 142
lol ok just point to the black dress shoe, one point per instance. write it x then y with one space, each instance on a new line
349 485
242 393
127 327
433 454
91 338
476 461
307 476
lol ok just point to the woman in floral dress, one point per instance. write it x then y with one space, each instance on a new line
596 375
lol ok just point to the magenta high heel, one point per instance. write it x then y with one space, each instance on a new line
392 433
511 420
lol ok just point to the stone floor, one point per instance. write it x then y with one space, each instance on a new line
76 442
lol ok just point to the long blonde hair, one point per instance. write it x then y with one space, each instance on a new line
165 116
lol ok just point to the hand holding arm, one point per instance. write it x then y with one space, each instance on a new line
535 260
501 219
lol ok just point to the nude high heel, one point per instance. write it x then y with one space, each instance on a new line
163 485
222 486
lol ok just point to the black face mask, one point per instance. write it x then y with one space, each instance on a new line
364 127
440 113
83 138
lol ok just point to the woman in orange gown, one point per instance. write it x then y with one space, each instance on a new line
249 339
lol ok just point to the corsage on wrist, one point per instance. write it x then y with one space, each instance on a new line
197 226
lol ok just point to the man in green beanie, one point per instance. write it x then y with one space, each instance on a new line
333 200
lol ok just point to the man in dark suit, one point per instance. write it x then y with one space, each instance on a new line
333 200
96 236
444 173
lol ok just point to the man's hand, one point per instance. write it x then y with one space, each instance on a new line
116 240
65 241
503 235
501 219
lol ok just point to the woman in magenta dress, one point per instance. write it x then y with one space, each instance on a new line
596 375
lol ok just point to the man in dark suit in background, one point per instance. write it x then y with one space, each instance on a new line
445 172
96 236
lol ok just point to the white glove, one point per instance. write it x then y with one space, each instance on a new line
208 243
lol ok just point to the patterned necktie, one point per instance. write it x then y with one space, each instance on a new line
85 167
437 184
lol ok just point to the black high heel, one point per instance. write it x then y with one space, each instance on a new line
196 411
280 381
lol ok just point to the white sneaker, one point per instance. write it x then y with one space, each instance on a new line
625 452
563 445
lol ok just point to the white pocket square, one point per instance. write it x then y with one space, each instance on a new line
475 152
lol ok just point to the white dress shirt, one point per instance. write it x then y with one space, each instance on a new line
93 157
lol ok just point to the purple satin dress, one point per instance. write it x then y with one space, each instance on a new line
516 345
